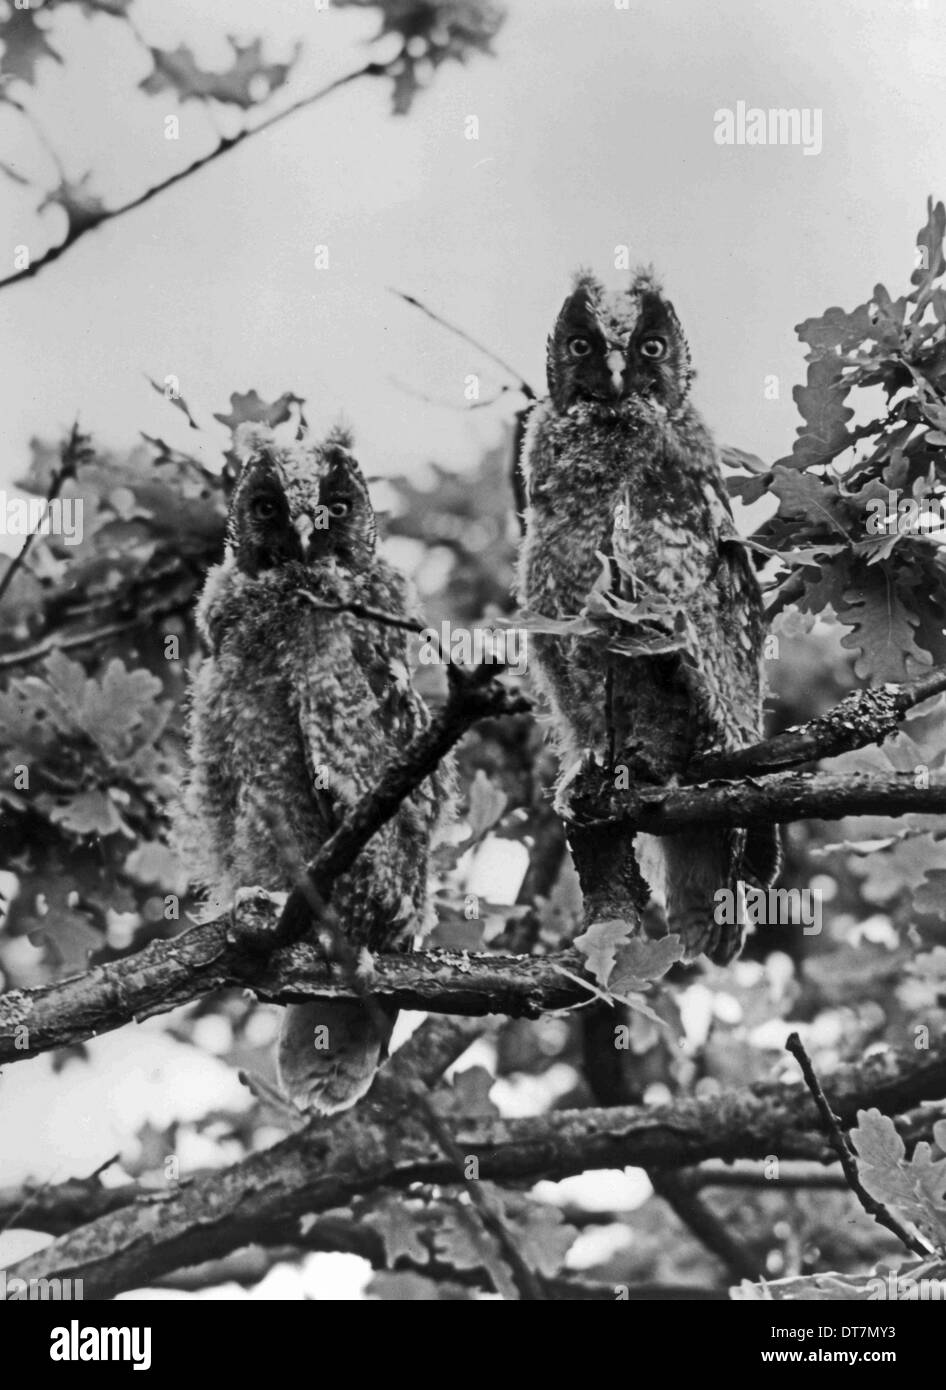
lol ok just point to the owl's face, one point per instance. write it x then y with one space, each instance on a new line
306 504
610 349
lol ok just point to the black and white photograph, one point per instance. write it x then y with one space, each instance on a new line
473 666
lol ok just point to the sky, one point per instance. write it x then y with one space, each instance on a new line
596 130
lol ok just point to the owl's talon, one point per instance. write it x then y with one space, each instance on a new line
255 893
248 913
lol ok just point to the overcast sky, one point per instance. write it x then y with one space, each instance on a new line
596 129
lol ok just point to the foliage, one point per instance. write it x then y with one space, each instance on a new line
845 541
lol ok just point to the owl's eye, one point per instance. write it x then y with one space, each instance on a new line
264 508
579 347
653 349
340 507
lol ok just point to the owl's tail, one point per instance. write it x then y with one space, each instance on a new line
329 1052
696 866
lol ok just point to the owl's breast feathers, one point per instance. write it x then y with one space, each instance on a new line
294 717
645 488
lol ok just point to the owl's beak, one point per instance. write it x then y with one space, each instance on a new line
616 364
304 526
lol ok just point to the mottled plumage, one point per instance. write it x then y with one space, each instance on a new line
294 714
626 496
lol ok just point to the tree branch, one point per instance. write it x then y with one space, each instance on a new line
167 974
328 1164
517 377
773 800
861 718
473 695
690 1208
847 1160
77 230
73 452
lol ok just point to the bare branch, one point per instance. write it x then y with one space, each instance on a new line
862 718
167 974
848 1162
58 642
520 381
772 800
690 1208
78 230
73 451
326 1165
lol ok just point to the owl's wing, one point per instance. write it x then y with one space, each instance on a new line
217 608
740 627
743 629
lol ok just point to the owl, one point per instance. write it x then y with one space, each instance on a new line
293 715
628 517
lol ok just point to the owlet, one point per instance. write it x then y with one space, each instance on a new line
628 512
295 713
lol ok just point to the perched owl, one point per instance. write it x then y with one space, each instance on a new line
627 509
294 714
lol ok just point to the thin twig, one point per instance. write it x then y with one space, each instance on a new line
27 655
848 1162
362 610
227 143
441 404
461 333
72 453
709 1176
38 131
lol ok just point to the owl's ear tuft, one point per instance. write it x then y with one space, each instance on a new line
252 438
577 312
340 436
646 280
670 379
657 313
585 279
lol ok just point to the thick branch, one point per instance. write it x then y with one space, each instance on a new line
326 1165
861 718
774 800
167 974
